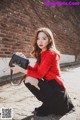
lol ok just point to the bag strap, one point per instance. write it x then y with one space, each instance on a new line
11 73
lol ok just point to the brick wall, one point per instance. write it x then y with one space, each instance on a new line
20 18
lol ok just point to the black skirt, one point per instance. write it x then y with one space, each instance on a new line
53 96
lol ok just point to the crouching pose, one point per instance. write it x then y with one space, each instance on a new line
44 79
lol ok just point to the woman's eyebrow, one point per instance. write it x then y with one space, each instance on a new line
44 37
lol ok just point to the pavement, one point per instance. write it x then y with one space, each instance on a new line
23 102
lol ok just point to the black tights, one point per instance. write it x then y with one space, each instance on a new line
52 95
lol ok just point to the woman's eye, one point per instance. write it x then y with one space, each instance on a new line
44 38
41 39
37 38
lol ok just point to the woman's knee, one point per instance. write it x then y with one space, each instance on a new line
32 81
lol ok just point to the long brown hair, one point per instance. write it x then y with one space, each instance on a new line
36 50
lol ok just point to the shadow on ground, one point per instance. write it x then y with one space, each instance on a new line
50 117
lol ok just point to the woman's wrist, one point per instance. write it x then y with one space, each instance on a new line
24 71
19 69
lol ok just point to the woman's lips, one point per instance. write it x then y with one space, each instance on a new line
40 45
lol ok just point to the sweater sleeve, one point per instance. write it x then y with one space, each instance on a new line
43 67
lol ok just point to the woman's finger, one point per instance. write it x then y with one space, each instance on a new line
20 54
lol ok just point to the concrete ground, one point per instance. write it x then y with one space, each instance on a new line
23 102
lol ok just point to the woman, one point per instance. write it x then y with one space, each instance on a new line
44 79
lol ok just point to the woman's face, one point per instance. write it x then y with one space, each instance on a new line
42 41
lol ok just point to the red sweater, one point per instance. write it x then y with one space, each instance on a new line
48 68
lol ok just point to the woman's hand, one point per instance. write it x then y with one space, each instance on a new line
18 69
20 54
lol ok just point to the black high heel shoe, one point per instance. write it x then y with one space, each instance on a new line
39 108
44 112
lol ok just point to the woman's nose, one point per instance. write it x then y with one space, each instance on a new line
40 41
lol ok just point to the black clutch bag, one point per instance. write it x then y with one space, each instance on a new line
22 62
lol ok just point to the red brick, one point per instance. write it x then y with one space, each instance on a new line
19 20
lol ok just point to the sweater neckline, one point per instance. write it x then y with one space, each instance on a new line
44 51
